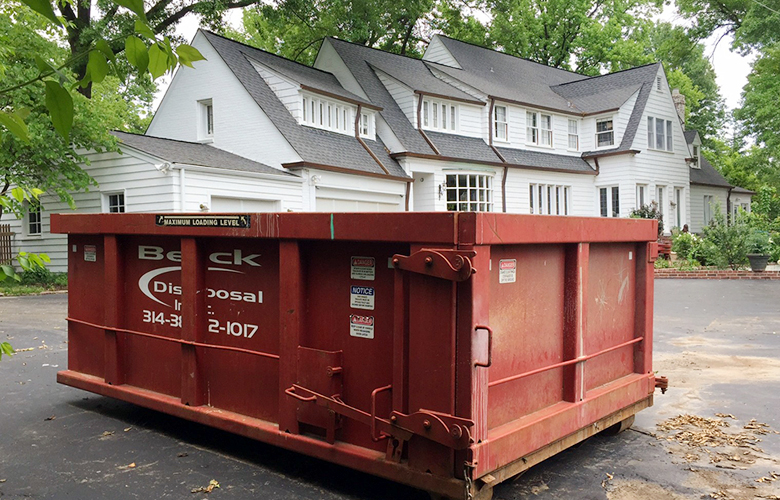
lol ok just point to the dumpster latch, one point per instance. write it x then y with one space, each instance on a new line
662 383
453 265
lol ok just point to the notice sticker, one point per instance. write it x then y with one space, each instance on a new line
507 271
361 326
90 253
363 268
361 297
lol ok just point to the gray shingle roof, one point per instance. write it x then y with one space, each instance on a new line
192 153
707 175
415 74
740 190
690 135
314 146
553 162
304 75
358 59
458 146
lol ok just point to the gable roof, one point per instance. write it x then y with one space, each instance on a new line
193 153
314 146
706 175
690 135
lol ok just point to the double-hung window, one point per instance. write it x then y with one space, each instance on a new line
539 129
605 133
500 125
115 203
549 199
206 126
469 193
708 203
574 138
34 224
641 194
439 115
696 153
659 134
609 201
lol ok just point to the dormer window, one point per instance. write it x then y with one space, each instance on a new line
439 115
365 124
605 133
696 163
206 127
326 114
500 125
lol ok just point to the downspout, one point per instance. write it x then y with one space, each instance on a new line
419 125
182 191
498 153
362 143
408 190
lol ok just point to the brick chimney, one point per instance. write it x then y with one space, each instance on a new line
679 104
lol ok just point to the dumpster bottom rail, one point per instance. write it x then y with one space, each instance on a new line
354 457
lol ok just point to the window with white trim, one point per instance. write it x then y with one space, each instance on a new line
114 203
34 221
605 133
469 192
641 195
659 134
696 152
328 115
549 199
709 200
574 137
439 115
660 190
365 124
206 126
500 125
538 129
609 201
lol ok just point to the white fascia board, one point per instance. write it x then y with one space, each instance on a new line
290 177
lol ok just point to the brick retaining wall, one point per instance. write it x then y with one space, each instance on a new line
715 274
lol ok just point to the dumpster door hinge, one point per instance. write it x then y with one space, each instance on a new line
453 265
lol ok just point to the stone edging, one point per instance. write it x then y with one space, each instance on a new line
715 274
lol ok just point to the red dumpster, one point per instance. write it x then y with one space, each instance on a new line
446 351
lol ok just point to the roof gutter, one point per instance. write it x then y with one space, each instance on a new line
610 153
342 170
407 154
450 98
362 142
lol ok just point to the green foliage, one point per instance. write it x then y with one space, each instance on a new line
650 211
683 244
759 114
759 242
730 240
662 263
5 348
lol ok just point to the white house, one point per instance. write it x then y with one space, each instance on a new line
463 129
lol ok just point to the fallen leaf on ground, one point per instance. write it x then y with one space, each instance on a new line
25 349
207 489
127 429
725 415
49 418
107 433
131 466
183 454
3 480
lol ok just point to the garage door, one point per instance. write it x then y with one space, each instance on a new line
335 205
224 204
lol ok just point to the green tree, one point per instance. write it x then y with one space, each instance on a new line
759 112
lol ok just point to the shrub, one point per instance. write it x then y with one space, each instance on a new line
650 211
707 253
759 243
730 241
662 263
44 277
684 244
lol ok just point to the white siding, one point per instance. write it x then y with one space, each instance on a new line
424 192
719 195
145 189
329 60
403 95
201 186
517 190
335 191
288 92
438 53
240 126
459 85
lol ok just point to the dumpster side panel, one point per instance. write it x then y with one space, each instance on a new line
611 299
85 280
526 314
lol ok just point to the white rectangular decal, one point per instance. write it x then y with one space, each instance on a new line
363 268
90 253
361 326
507 271
361 297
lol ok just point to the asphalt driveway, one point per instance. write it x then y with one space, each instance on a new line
717 341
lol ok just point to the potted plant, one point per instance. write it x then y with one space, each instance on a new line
759 247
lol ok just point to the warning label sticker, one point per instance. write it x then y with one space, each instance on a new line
361 326
361 297
363 268
507 271
90 253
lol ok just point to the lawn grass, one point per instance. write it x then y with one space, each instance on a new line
29 285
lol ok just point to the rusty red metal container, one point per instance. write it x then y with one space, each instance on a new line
446 351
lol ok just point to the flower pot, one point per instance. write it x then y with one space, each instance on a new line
758 262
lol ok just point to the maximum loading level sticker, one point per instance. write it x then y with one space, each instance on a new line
361 297
362 268
507 270
361 326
